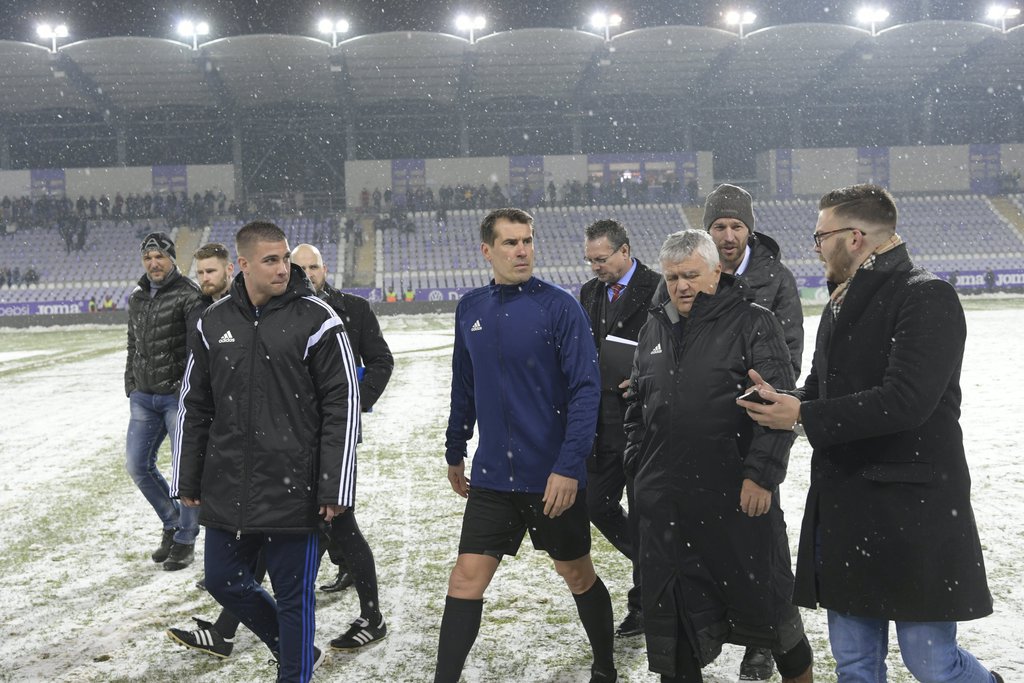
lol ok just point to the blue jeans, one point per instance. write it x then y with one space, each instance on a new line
153 417
928 648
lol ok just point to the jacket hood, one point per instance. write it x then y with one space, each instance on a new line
763 243
298 286
731 290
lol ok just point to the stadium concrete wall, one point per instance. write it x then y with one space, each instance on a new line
785 173
88 182
15 183
1012 158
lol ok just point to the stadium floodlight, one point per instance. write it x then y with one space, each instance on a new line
1001 13
605 22
740 19
193 29
466 23
872 16
334 27
52 33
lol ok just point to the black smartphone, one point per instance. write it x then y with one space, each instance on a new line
754 397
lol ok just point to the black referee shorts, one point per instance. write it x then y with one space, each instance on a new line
495 522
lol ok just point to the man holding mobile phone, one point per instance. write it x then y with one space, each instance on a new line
888 531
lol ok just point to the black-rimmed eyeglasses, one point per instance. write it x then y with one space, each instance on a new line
601 260
820 237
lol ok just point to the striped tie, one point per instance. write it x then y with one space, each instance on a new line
617 291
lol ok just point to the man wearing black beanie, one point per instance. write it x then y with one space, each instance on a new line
158 310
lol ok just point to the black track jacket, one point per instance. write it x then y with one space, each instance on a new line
269 413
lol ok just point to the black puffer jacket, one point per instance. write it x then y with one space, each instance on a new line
157 333
774 287
270 413
367 341
725 576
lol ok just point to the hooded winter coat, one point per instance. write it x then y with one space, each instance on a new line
888 528
774 287
269 413
157 331
707 569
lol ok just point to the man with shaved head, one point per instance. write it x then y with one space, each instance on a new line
346 546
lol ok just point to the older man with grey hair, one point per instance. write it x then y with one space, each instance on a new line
715 558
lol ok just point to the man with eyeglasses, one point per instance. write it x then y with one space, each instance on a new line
616 299
888 531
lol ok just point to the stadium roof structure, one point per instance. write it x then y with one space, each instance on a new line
126 76
287 109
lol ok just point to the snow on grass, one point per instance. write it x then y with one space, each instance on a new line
81 600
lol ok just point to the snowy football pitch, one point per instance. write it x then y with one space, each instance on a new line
81 600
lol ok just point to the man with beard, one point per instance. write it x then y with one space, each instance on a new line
267 449
888 531
616 300
214 271
344 541
754 258
158 310
716 564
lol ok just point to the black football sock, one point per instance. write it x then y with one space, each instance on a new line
595 609
459 626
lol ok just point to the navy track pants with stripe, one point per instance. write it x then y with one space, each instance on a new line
284 621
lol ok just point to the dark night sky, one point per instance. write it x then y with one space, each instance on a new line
98 18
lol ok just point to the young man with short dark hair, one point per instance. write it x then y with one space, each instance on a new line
270 418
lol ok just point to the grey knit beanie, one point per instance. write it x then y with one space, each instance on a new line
729 201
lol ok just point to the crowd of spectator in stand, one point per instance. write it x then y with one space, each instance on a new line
626 190
177 207
13 276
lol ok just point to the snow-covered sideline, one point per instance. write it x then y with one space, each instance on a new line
81 600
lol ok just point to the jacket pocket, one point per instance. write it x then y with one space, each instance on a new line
899 472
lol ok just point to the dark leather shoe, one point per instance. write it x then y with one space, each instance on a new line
632 625
181 556
166 540
343 581
757 664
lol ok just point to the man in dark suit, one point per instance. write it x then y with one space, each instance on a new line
888 531
616 300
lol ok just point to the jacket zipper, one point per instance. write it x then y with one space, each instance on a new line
501 370
248 445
